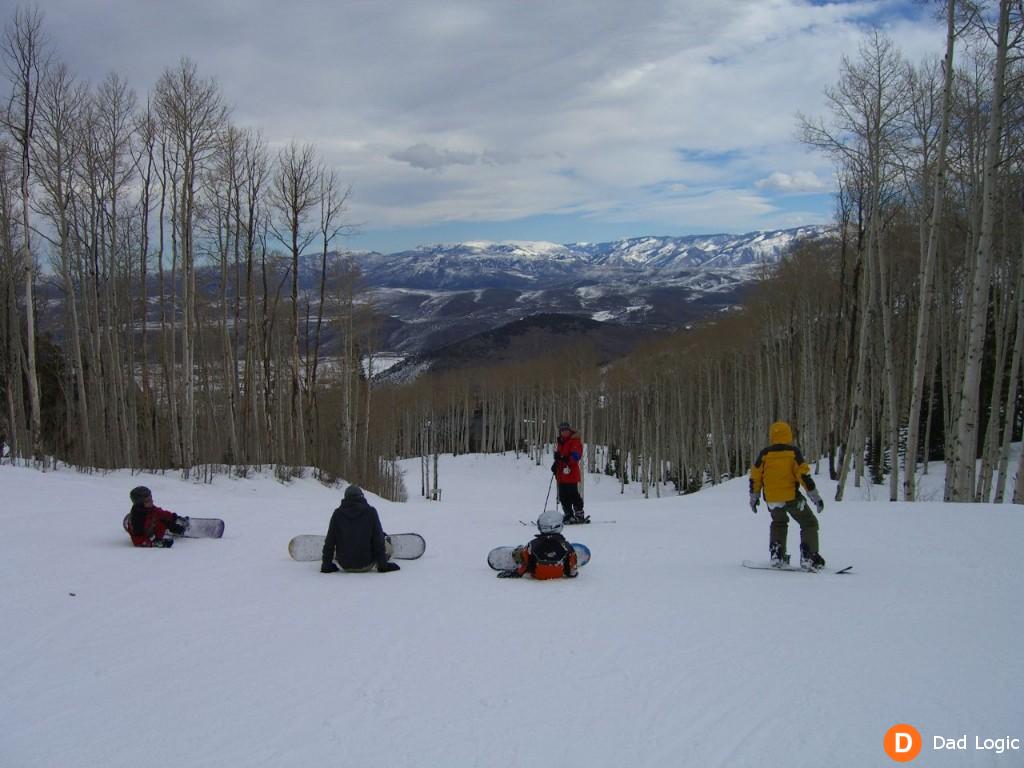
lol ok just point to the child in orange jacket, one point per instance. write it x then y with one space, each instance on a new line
548 556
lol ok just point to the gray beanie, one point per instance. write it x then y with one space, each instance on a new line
354 492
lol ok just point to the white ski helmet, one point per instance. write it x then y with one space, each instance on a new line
550 521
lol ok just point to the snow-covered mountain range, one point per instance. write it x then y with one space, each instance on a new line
541 265
438 295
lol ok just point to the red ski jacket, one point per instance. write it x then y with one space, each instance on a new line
154 526
568 451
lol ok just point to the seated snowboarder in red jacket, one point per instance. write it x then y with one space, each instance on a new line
548 556
147 524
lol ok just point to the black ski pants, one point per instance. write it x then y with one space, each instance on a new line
570 499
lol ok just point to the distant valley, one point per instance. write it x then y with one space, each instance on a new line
438 299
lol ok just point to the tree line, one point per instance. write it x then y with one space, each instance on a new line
172 238
897 343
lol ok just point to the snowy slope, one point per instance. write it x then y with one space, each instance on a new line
664 652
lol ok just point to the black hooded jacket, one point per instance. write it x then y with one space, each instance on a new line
355 537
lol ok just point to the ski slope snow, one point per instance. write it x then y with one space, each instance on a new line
664 652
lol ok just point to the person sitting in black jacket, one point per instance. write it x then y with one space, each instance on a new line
355 539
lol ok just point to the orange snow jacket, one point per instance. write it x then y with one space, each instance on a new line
780 469
548 556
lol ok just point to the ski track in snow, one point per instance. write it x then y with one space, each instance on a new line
664 652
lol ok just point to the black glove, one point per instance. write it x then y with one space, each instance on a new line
755 499
163 543
388 567
554 467
329 568
509 575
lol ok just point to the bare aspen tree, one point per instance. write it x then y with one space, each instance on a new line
926 286
146 136
25 56
332 205
295 195
965 449
225 193
112 125
11 255
58 142
193 115
256 172
867 106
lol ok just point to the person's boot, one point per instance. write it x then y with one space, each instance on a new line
811 561
778 557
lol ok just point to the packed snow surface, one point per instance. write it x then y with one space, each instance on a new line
664 652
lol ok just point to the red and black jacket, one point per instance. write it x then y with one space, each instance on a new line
568 451
548 556
147 524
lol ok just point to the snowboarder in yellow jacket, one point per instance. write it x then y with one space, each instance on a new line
779 472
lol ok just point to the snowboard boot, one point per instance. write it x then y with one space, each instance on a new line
179 527
778 558
811 561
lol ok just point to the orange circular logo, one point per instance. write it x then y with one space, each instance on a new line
902 743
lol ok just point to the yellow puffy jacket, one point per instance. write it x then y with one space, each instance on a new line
780 468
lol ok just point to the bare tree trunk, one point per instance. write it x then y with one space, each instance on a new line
965 449
1011 396
927 278
24 53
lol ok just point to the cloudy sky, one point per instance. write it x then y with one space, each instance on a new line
575 120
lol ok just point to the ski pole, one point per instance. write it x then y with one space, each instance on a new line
552 482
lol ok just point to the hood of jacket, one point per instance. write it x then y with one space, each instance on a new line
353 508
780 433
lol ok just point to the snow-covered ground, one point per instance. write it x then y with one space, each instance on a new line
664 652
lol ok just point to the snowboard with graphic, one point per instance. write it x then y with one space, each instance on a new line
308 547
500 558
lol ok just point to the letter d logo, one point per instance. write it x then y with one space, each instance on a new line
902 743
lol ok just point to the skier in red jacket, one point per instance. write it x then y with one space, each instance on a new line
566 468
147 524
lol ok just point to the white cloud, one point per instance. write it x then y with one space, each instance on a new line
432 159
797 183
441 110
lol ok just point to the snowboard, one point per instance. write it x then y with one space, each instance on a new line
767 566
588 521
198 527
204 528
404 546
500 558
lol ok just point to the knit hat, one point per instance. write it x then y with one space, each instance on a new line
140 493
354 492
